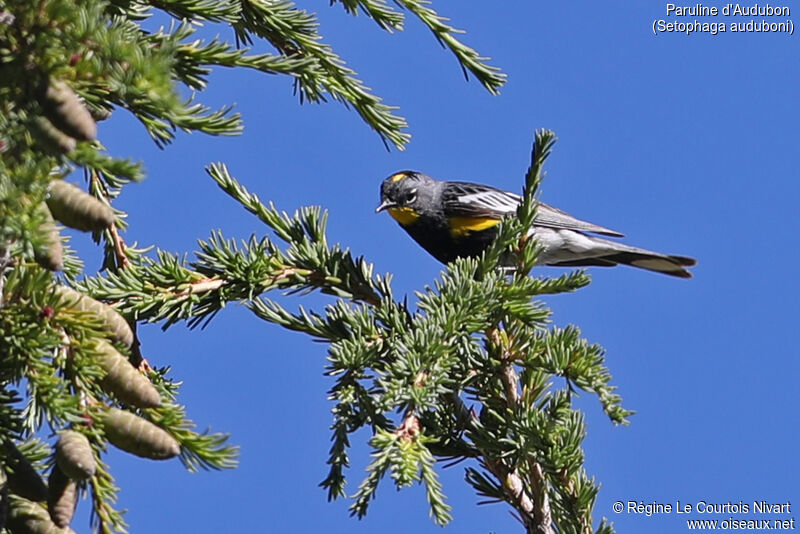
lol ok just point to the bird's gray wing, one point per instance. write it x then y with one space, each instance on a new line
464 199
478 200
555 218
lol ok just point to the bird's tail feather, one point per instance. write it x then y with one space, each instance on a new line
618 253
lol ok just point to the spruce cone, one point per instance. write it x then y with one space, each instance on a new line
51 139
67 112
23 479
51 254
124 380
114 322
132 434
61 498
77 209
74 455
26 517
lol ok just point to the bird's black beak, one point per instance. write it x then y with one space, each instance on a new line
385 204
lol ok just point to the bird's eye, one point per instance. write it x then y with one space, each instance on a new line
412 196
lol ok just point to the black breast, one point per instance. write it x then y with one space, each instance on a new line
435 237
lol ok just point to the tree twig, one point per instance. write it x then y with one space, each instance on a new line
119 248
535 512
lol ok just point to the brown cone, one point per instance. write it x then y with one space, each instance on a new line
26 517
66 111
51 254
124 380
114 322
138 436
77 209
74 455
51 139
62 496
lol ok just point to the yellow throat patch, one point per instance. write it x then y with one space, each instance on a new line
461 226
404 216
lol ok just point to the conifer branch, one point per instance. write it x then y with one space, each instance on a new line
294 33
490 77
119 248
211 10
533 505
197 58
384 16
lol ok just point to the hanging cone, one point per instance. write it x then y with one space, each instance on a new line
77 209
51 139
74 455
66 111
26 517
111 318
62 497
51 254
124 380
135 435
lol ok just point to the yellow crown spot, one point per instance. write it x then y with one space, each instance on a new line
399 176
461 226
404 216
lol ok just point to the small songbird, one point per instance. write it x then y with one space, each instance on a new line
456 219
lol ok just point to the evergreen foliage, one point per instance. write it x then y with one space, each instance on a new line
470 371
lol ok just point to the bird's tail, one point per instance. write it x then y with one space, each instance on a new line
611 254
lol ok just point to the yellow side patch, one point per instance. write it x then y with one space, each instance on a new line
399 176
404 216
461 226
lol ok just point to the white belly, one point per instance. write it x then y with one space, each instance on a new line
566 245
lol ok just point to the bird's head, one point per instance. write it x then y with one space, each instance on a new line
405 195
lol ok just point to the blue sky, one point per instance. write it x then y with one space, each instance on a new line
688 144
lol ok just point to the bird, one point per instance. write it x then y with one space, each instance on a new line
459 219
